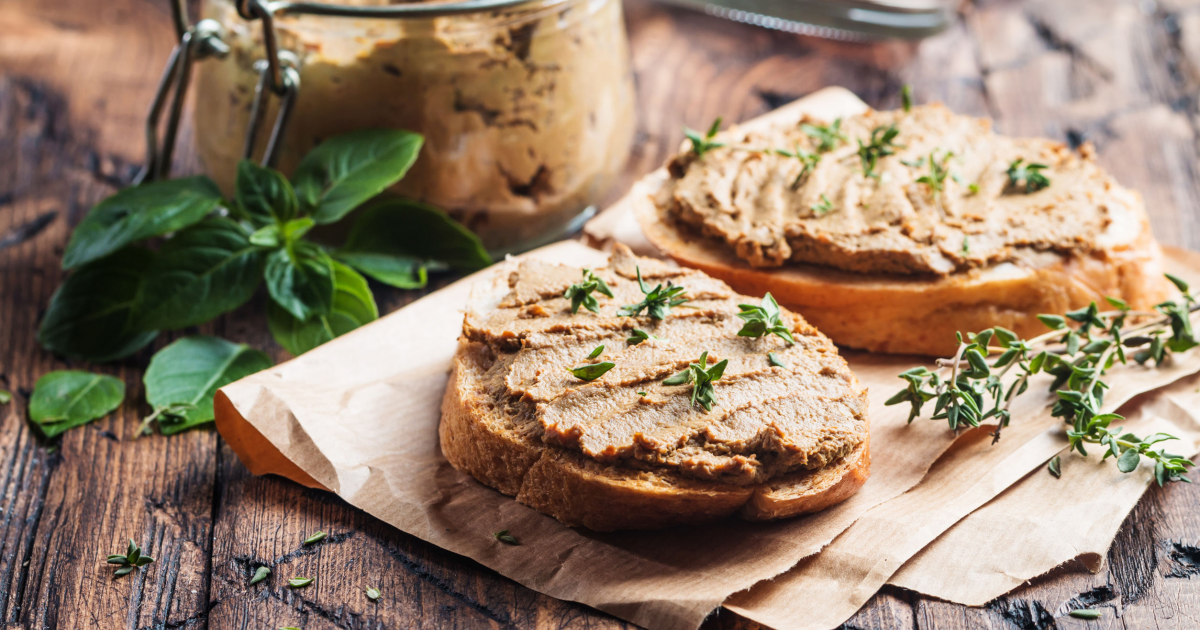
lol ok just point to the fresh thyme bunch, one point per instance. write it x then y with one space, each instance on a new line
1076 357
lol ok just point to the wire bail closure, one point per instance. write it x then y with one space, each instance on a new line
277 73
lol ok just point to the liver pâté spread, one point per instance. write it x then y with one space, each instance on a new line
759 202
767 420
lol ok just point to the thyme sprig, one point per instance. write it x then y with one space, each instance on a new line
1076 357
763 320
823 206
704 144
883 143
827 136
580 293
808 162
701 377
938 171
1027 177
659 300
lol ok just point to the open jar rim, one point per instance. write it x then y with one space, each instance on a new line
434 8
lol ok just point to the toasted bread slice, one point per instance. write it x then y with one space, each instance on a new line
914 314
482 435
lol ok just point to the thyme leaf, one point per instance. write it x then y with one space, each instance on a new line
506 538
591 372
906 99
300 582
260 574
315 538
637 335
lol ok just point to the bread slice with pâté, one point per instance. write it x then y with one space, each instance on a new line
785 431
890 231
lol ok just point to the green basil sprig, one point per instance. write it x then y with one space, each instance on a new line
213 254
217 252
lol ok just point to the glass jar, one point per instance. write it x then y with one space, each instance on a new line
527 110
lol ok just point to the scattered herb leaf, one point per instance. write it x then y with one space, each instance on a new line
906 99
966 245
774 359
591 372
506 538
597 352
1085 613
5 396
373 593
1055 466
936 179
637 335
315 538
300 582
260 574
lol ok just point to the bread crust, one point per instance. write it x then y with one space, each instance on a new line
913 315
584 493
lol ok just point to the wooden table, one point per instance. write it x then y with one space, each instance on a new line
75 79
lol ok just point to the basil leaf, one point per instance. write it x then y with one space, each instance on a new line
344 171
264 195
90 314
300 279
591 372
182 378
402 272
296 228
268 236
353 306
203 271
140 212
400 227
64 400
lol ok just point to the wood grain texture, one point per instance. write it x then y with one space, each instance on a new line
75 79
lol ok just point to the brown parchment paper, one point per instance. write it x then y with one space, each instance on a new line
358 416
